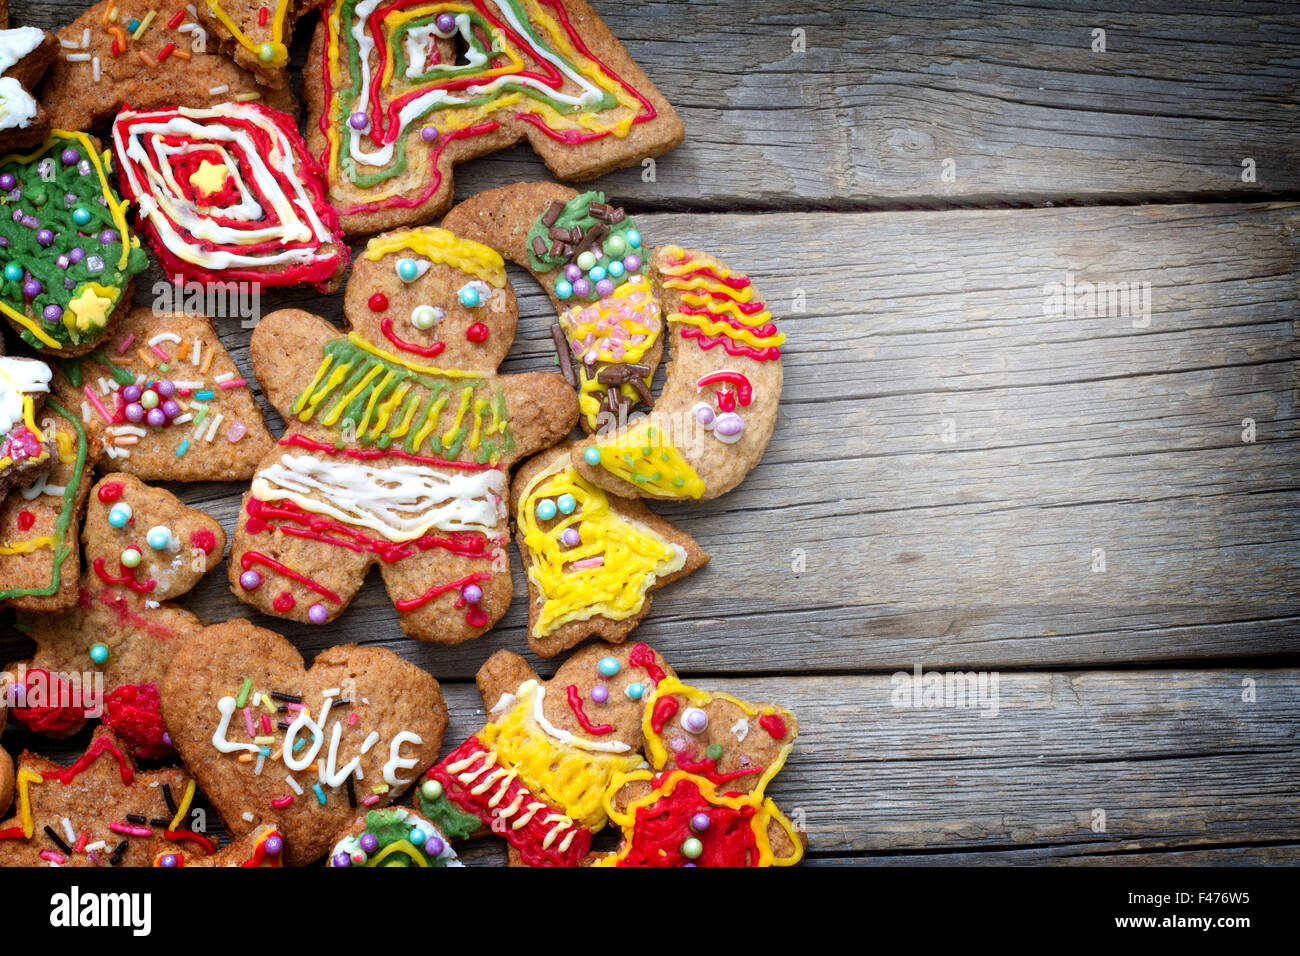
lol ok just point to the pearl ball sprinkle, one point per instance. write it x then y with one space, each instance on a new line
159 537
250 580
695 720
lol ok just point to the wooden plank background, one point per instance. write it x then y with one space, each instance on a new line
1100 510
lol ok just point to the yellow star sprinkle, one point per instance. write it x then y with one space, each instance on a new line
90 310
209 177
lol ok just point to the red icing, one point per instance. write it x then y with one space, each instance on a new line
283 602
249 558
369 454
410 604
643 657
528 838
134 712
260 857
478 332
744 391
706 342
97 749
110 491
476 617
660 828
665 707
127 578
774 725
708 768
428 351
204 540
180 836
575 705
378 302
25 520
50 719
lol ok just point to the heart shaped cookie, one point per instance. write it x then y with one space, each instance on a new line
305 749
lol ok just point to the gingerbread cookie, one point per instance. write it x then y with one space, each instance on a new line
591 558
229 193
393 837
147 54
703 802
39 558
25 450
262 847
398 93
303 749
6 764
713 418
400 436
143 547
100 811
537 772
588 256
25 54
255 32
67 257
171 402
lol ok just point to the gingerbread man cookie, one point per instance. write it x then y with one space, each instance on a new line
400 436
169 400
100 811
591 558
703 803
147 54
67 256
537 772
229 193
398 93
273 742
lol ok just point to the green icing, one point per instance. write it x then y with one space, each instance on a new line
389 827
50 191
576 214
455 823
60 547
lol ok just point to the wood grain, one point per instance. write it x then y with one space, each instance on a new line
1011 92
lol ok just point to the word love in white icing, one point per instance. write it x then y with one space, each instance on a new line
331 774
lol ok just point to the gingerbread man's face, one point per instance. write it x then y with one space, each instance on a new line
433 299
399 441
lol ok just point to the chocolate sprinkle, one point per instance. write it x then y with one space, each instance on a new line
539 246
552 213
58 840
290 698
136 818
352 793
563 354
167 795
642 392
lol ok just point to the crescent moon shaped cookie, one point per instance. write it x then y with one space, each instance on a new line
712 420
400 436
399 92
591 559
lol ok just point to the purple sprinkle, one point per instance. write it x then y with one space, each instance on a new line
572 272
70 157
76 254
156 418
434 846
317 614
7 181
108 236
131 393
342 860
31 222
171 408
69 284
45 237
166 388
700 822
604 287
32 288
600 693
168 859
250 580
274 845
63 262
571 537
632 263
167 738
472 593
358 121
582 288
18 215
369 842
445 22
429 134
52 313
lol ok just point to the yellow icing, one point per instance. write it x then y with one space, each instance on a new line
280 52
446 248
645 457
633 557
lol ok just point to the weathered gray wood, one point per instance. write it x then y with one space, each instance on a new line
1012 93
1174 758
1069 434
1282 855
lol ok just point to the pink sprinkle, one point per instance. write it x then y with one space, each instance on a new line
282 802
371 800
293 708
52 856
232 383
93 857
266 724
236 432
353 719
81 843
248 722
586 563
99 407
157 350
126 343
125 830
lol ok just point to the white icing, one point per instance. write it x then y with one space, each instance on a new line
397 762
401 503
19 377
531 688
226 707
